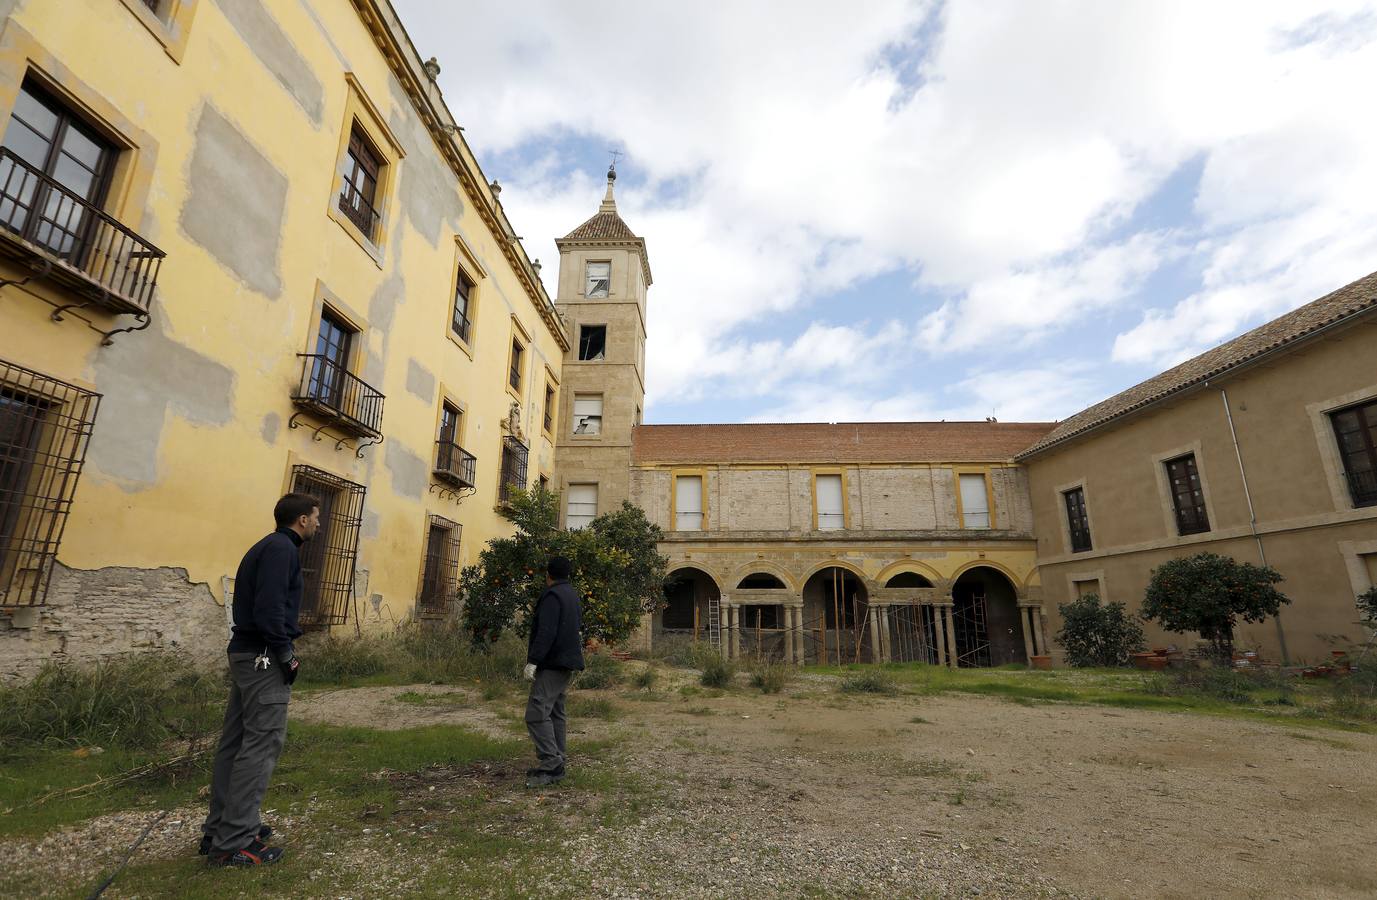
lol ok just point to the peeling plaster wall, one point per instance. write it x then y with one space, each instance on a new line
105 612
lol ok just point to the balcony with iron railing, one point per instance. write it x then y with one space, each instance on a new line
455 465
359 210
331 392
66 237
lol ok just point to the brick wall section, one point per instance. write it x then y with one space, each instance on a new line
101 612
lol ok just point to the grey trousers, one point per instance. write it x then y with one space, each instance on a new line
255 728
545 718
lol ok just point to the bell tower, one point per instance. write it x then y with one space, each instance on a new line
603 278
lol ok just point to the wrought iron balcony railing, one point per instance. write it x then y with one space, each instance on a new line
455 465
358 210
330 391
73 241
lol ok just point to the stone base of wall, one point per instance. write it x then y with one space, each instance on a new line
96 613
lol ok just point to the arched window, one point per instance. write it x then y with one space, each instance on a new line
760 581
908 580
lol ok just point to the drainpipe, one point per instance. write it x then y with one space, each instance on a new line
1252 516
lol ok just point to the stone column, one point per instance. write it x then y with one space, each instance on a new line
939 623
788 614
1035 613
886 651
736 632
1026 626
874 617
947 613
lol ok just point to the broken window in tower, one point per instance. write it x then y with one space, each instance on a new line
588 414
592 342
598 280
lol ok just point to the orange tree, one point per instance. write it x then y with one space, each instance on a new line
618 572
1208 593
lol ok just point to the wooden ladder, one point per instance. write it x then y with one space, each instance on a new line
715 622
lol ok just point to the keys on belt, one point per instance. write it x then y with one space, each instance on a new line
262 661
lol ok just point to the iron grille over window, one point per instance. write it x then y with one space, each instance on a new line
440 577
358 193
327 560
1077 518
1356 430
514 454
54 174
331 391
45 428
1187 496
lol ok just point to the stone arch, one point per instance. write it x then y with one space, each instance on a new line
1018 584
839 564
689 592
762 566
676 565
909 565
988 623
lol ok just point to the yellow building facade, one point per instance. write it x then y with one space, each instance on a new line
245 249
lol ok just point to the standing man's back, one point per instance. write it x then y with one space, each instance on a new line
554 654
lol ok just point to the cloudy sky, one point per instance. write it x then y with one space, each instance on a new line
922 210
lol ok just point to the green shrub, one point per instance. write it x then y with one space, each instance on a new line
770 677
645 679
334 660
600 671
869 681
1224 683
138 702
1095 634
718 671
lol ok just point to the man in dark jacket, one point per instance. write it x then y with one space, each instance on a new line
263 665
555 653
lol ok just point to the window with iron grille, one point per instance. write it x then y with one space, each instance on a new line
463 291
1356 430
358 194
45 429
518 353
1187 496
327 560
440 575
514 454
1077 519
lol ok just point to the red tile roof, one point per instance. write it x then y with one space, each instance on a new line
1357 298
605 226
843 442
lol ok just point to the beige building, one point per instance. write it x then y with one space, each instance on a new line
1263 449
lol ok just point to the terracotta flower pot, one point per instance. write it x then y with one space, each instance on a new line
1041 662
1140 660
1157 663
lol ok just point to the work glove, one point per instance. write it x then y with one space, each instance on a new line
290 666
529 671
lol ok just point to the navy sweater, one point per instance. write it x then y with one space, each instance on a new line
267 596
557 630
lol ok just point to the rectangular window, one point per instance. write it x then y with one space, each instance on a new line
440 576
592 342
688 503
1356 430
518 354
1077 519
975 501
583 505
45 426
588 414
330 367
358 196
542 482
327 560
1187 496
548 420
598 279
51 197
514 457
1086 588
463 289
831 511
453 464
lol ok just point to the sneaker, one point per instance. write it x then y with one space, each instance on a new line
255 854
264 832
540 778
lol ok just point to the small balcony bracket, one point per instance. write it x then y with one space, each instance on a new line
458 496
340 443
108 337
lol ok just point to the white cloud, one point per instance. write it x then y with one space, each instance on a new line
1006 180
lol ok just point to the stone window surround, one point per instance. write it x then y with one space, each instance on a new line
360 112
583 288
551 399
1164 495
1095 575
674 476
1061 492
1328 444
466 261
519 335
447 396
324 297
813 473
170 26
956 473
1355 554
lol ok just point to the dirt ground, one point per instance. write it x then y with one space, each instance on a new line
816 793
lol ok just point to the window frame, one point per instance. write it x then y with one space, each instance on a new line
602 415
593 325
985 473
169 23
587 279
361 113
702 476
439 587
549 414
569 499
465 264
1366 413
845 498
1073 518
520 468
1202 508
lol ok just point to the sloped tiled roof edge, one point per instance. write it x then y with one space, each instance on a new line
1282 334
608 228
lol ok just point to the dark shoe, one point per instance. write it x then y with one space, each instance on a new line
264 833
255 854
541 778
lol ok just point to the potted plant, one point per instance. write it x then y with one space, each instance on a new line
1040 661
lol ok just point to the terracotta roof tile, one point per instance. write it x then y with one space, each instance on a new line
1357 297
843 442
605 226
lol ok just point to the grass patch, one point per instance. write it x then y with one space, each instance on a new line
591 708
601 671
770 677
645 679
717 671
869 681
